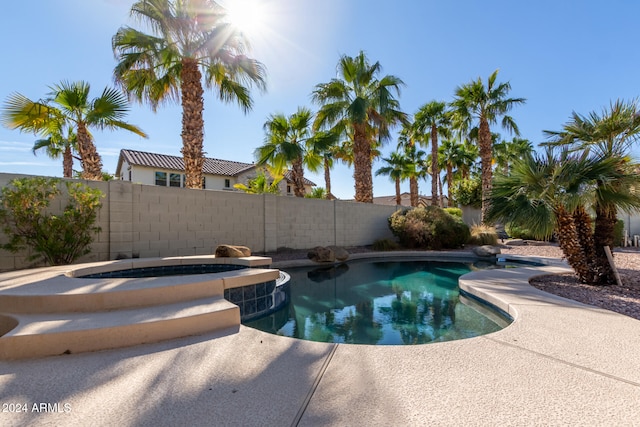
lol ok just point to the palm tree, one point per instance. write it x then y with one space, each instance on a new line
455 154
608 135
57 145
289 141
506 152
69 105
395 170
551 192
188 39
434 118
263 183
361 102
414 165
475 102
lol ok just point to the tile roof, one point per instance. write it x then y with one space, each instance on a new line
165 161
211 166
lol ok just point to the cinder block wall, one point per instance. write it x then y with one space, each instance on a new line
147 221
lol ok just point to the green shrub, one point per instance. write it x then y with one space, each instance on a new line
385 245
468 192
618 231
518 232
27 220
429 227
457 212
483 235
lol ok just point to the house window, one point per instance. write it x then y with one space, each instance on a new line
129 175
161 178
204 182
227 183
174 180
184 180
288 189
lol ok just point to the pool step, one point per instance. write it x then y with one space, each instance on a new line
62 294
38 335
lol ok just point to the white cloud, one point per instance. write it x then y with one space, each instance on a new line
15 146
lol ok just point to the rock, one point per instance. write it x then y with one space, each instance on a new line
232 251
339 252
321 254
514 242
486 250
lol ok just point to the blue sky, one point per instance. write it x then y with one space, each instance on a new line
562 56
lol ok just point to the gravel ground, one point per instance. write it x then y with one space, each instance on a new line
623 299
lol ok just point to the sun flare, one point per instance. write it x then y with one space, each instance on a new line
247 15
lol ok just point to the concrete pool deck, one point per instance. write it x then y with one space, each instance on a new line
559 363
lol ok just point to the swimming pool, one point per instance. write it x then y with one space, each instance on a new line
381 303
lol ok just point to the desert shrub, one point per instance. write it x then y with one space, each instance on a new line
518 232
468 192
429 227
483 235
618 231
457 212
27 220
385 245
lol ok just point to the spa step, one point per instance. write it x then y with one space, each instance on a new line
38 335
60 293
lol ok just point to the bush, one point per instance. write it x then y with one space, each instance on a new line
429 227
618 231
27 221
518 232
483 235
468 192
385 245
457 212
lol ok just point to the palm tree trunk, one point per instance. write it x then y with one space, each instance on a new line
442 193
297 174
486 153
398 195
67 162
584 229
327 178
192 122
434 165
413 191
449 182
89 157
603 236
570 245
362 164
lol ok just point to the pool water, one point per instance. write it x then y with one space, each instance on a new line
382 303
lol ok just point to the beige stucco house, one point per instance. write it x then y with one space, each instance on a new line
166 170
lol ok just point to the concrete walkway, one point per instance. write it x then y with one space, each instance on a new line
559 363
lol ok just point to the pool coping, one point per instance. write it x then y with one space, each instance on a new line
559 362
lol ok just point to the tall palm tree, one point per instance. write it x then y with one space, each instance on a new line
475 102
415 165
506 152
395 170
455 154
189 40
290 142
361 102
434 118
68 105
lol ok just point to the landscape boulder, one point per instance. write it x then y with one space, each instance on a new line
321 254
340 253
515 242
232 251
486 250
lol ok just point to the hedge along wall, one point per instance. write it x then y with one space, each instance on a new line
147 221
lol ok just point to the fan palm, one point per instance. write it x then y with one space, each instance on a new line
188 38
289 142
434 118
69 105
454 154
395 171
57 145
610 134
475 102
364 104
414 162
506 152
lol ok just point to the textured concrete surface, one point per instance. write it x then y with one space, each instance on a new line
559 363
